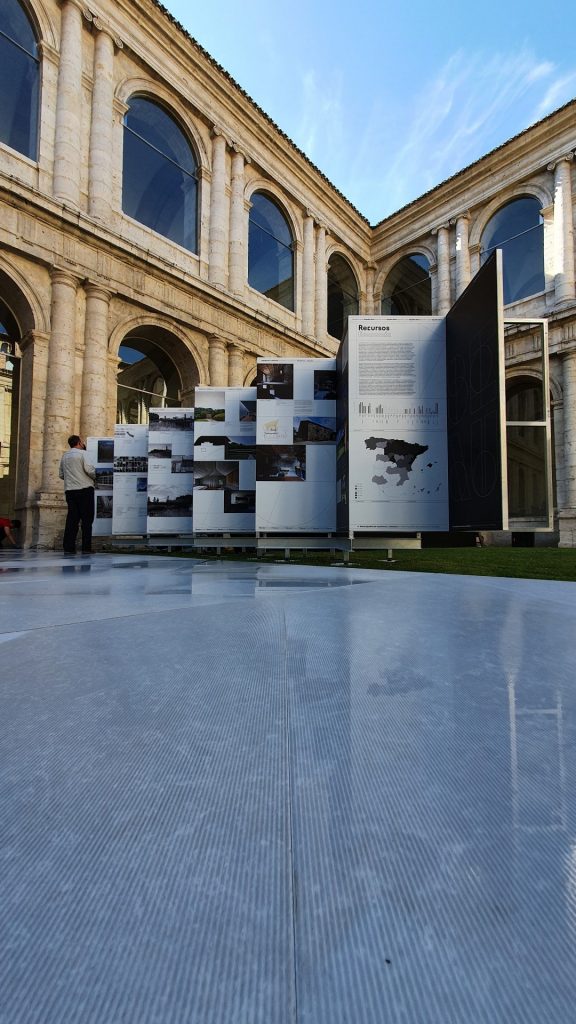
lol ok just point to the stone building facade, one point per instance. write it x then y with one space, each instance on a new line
150 211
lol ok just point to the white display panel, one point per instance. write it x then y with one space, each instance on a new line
170 471
130 479
397 437
296 435
100 452
225 460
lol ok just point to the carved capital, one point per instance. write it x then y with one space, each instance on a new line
566 158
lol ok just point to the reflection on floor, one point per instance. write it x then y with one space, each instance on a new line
242 794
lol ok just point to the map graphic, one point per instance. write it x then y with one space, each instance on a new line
400 456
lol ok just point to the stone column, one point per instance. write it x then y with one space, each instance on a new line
237 255
67 145
370 301
217 362
218 244
93 414
60 377
443 274
462 254
563 231
308 282
235 366
100 156
567 515
321 284
34 368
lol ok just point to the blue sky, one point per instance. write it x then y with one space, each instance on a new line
388 100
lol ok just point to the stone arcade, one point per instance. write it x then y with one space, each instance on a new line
159 232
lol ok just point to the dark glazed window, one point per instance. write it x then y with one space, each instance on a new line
19 80
270 256
408 290
518 230
159 186
342 296
524 400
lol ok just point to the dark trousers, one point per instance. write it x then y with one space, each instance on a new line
80 510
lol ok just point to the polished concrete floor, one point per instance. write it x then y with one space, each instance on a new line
243 794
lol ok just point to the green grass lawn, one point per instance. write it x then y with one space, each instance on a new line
521 563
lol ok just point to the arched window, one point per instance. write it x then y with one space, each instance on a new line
518 230
270 255
342 295
160 186
19 80
408 290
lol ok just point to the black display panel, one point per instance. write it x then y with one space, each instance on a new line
476 403
342 509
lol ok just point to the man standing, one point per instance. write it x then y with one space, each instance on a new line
78 475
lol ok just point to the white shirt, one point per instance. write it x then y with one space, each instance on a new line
76 471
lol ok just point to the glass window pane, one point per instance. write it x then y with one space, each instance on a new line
342 296
270 218
19 81
518 230
527 487
157 127
15 24
159 183
270 256
524 400
408 289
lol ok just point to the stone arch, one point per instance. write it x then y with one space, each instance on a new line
292 213
336 250
42 22
531 190
175 342
25 305
155 91
420 249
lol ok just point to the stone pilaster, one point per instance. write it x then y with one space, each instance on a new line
34 367
219 215
321 284
68 106
463 275
101 125
308 281
237 253
443 271
93 414
235 366
217 362
567 514
563 231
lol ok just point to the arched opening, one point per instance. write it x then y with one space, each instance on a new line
9 403
159 182
270 253
155 370
408 289
342 296
518 229
19 80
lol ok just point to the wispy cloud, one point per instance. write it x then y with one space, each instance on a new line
319 127
473 104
